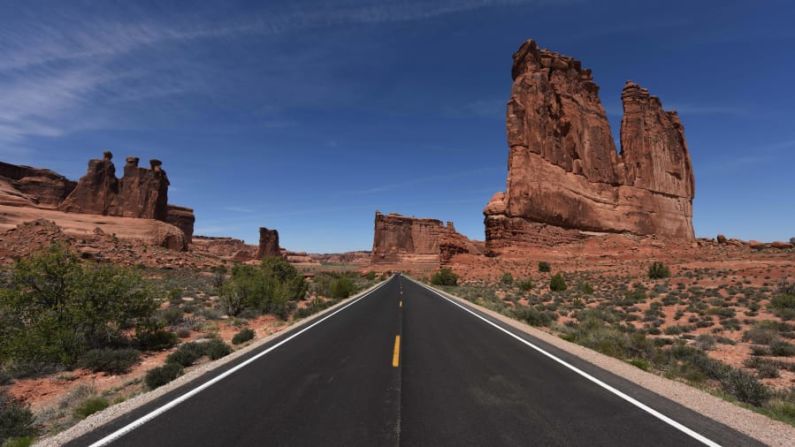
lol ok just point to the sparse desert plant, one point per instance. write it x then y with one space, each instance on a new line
557 283
526 285
658 270
444 277
161 375
342 287
156 340
745 387
783 306
90 406
533 317
782 348
370 276
216 348
16 419
544 267
585 288
114 361
243 336
506 279
187 354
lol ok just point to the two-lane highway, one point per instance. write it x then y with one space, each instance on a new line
405 366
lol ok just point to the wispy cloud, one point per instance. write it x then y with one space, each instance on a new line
766 153
59 70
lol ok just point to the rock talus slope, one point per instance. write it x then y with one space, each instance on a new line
564 173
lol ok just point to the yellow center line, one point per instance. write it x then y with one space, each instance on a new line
396 353
401 303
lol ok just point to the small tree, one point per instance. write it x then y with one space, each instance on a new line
526 285
444 277
658 270
544 267
557 283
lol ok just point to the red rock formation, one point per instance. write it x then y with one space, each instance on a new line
41 186
401 239
224 247
564 174
96 191
141 192
182 218
268 243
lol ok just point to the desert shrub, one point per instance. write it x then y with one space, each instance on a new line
216 348
526 284
557 283
270 287
705 342
114 361
156 340
658 270
640 363
762 333
171 316
506 279
55 308
24 441
544 267
745 387
370 276
782 348
16 419
783 306
90 406
585 288
444 277
175 295
187 354
219 276
243 336
161 375
183 332
534 317
342 287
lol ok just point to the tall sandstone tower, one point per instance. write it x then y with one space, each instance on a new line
564 173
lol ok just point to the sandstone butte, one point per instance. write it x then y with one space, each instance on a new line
268 243
565 177
417 241
136 205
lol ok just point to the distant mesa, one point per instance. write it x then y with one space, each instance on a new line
401 239
564 173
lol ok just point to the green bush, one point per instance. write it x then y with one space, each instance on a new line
534 317
156 340
55 308
161 375
370 276
782 348
187 354
658 270
444 277
114 361
90 406
745 388
216 348
544 267
16 420
585 288
506 279
526 285
783 306
243 336
272 287
557 283
342 287
24 441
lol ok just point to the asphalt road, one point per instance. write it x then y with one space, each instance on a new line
452 379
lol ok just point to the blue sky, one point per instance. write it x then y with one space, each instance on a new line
307 116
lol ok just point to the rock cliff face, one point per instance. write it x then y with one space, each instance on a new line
564 173
41 186
268 243
182 218
402 239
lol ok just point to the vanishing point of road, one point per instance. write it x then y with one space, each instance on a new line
405 366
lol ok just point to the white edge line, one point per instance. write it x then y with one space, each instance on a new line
630 399
162 409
